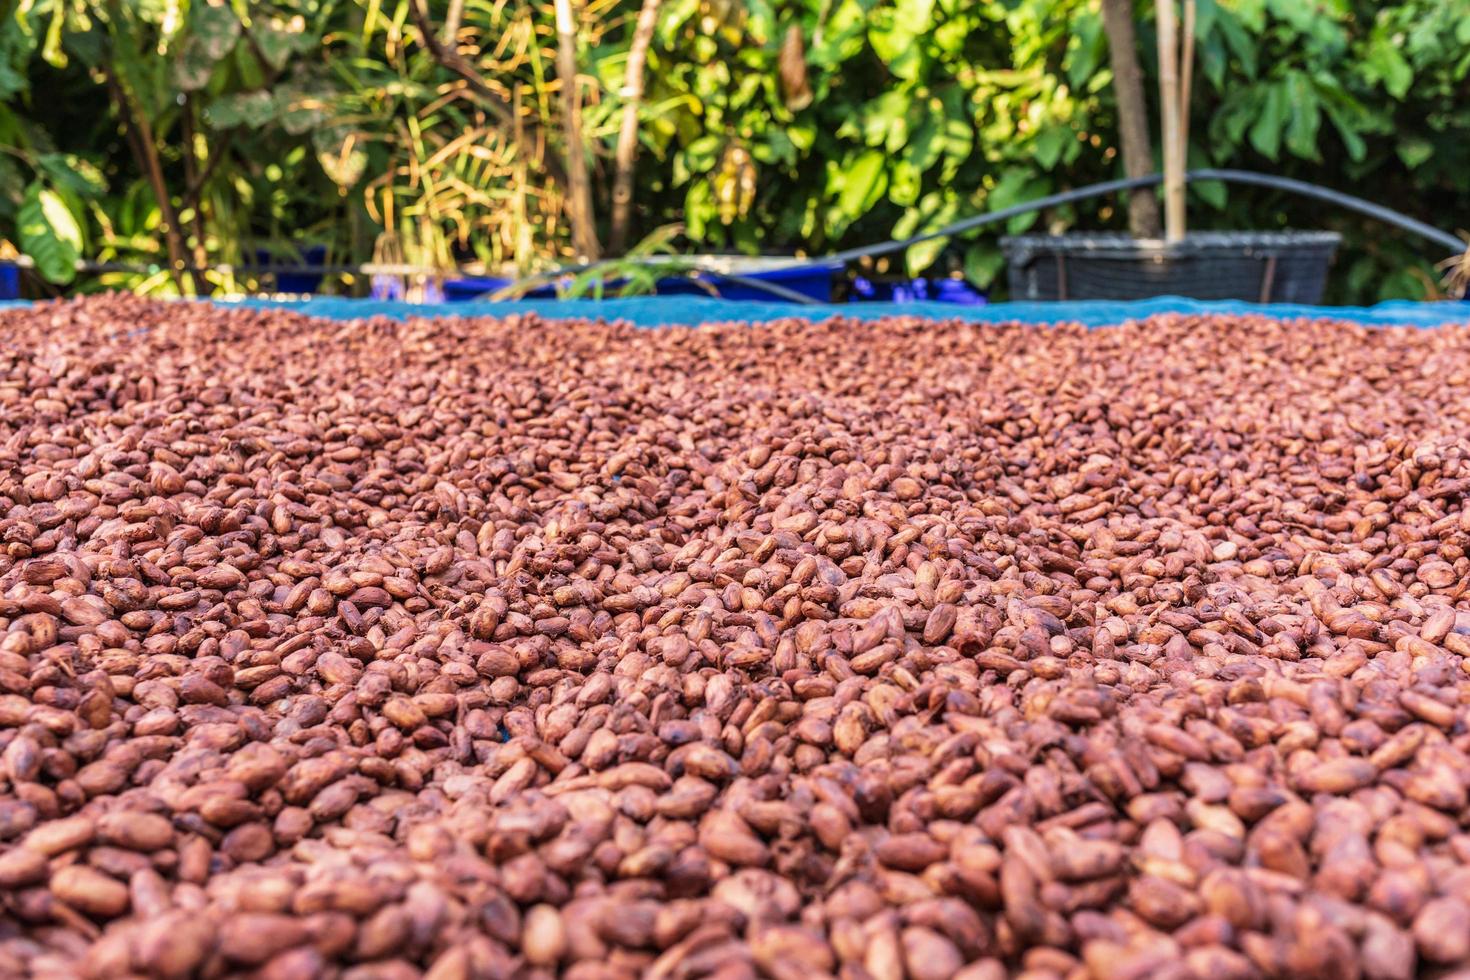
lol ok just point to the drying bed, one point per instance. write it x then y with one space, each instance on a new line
487 648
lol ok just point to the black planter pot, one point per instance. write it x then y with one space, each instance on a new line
1258 266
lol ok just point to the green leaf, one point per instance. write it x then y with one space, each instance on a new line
923 147
71 171
1088 49
1212 192
921 256
699 209
213 32
1252 14
905 183
1387 64
861 183
1016 185
958 134
1050 143
777 148
983 263
842 35
672 18
698 157
1401 284
1357 149
300 112
278 43
1306 117
760 21
895 31
1211 54
909 223
1265 134
802 135
1415 151
1240 42
14 53
950 36
253 109
884 120
49 234
1207 14
89 45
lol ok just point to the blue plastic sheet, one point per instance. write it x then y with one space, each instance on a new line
658 311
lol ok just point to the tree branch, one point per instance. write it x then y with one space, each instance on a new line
627 152
488 97
220 149
140 137
217 153
191 180
452 20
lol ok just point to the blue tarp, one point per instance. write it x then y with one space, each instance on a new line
657 311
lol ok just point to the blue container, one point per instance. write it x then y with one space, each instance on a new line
480 287
9 280
288 281
813 282
956 291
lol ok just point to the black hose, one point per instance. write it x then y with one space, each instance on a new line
1345 201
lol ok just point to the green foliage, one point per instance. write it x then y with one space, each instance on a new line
443 179
282 123
926 112
49 233
197 77
211 36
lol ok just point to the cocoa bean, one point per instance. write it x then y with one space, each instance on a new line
912 649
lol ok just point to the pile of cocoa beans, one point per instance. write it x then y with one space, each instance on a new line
907 649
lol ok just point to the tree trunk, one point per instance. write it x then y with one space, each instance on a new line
627 154
579 185
1138 157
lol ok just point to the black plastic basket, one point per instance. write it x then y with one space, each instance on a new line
1260 266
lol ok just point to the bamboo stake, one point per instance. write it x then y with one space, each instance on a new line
1168 30
579 187
1186 81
